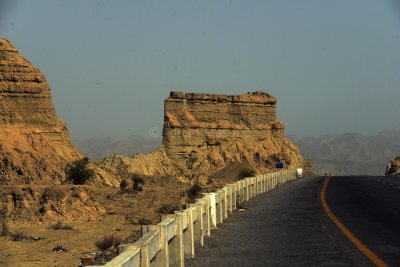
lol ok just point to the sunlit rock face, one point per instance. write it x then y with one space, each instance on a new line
208 131
34 143
208 134
393 167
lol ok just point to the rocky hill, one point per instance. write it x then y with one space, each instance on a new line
393 167
34 143
351 153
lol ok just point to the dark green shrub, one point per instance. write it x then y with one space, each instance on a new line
167 209
137 183
246 173
123 185
194 191
19 235
78 171
59 225
144 221
4 229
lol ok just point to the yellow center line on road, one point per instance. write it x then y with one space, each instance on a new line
367 252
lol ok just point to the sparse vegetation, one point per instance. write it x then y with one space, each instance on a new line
138 182
5 230
194 191
59 225
59 248
246 173
123 185
78 171
144 221
51 193
108 241
168 209
132 187
18 235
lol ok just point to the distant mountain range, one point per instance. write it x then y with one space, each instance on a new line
99 148
350 153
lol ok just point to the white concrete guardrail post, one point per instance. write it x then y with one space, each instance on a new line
245 190
251 188
149 245
176 247
167 231
213 210
219 206
271 181
241 192
200 229
225 201
235 187
230 199
189 233
254 186
262 183
265 183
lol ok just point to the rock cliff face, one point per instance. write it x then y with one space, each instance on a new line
204 133
208 131
393 167
34 143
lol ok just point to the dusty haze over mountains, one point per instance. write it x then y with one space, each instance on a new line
350 153
333 65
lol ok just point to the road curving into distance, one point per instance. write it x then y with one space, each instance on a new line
290 226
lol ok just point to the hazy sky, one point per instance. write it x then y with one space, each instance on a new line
333 65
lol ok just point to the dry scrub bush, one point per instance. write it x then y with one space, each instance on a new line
137 183
5 230
144 221
78 171
19 235
194 192
59 225
108 241
167 209
246 173
123 185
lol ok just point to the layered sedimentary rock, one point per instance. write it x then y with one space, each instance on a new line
204 133
393 167
208 131
34 143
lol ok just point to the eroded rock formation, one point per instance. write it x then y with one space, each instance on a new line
34 143
204 133
393 167
208 131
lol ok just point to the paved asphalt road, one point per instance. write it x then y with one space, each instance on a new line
288 226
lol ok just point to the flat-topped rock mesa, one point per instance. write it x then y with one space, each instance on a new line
224 128
35 143
209 135
249 111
